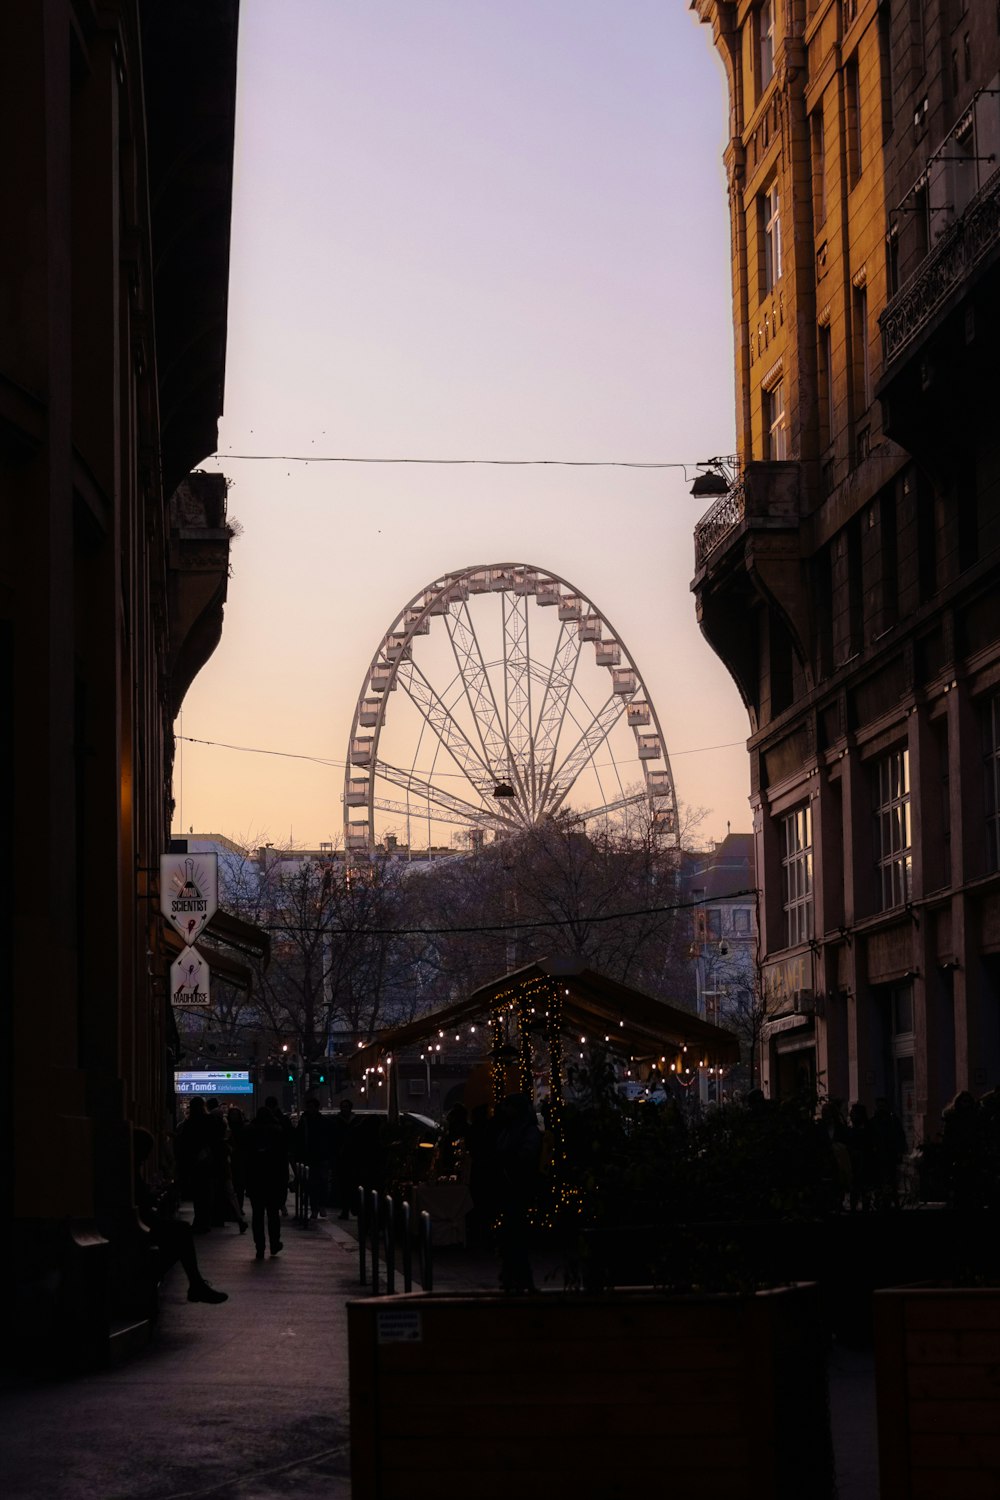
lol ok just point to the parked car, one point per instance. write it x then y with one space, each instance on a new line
388 1157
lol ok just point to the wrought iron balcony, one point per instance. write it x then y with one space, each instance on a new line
721 519
961 248
764 496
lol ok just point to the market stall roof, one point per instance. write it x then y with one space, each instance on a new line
600 1008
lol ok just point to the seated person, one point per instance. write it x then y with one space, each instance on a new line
170 1238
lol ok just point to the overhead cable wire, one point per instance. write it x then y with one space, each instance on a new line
612 916
323 760
509 463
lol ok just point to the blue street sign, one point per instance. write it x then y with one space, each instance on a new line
218 1081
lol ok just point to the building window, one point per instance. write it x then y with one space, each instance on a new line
776 430
770 224
922 220
818 167
765 30
885 63
991 756
862 348
797 874
892 260
826 385
894 854
741 921
852 102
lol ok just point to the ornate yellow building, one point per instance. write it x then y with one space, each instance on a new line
849 572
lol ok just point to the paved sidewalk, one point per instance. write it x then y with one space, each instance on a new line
249 1400
244 1401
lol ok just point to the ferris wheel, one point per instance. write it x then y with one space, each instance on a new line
499 697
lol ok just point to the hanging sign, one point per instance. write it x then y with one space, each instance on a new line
189 891
189 984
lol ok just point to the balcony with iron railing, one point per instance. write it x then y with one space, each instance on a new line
963 247
960 190
763 496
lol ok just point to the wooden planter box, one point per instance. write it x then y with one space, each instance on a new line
718 1396
937 1373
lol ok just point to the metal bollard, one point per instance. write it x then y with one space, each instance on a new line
390 1245
426 1253
362 1234
301 1191
374 1242
407 1250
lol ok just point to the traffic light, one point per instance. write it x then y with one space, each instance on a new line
319 1074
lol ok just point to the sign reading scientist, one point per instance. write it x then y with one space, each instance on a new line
189 891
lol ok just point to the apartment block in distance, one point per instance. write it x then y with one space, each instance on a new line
848 572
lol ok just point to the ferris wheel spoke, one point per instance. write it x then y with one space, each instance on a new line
429 791
517 694
444 725
552 714
585 748
632 799
478 690
405 810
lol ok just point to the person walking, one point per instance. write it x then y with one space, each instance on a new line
196 1163
312 1150
518 1152
266 1178
236 1120
342 1153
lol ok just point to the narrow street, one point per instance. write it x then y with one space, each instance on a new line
249 1400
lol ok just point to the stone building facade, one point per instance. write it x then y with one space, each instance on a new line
849 572
118 125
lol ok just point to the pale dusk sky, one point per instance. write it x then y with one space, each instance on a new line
463 229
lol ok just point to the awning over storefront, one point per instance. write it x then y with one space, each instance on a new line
593 1006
